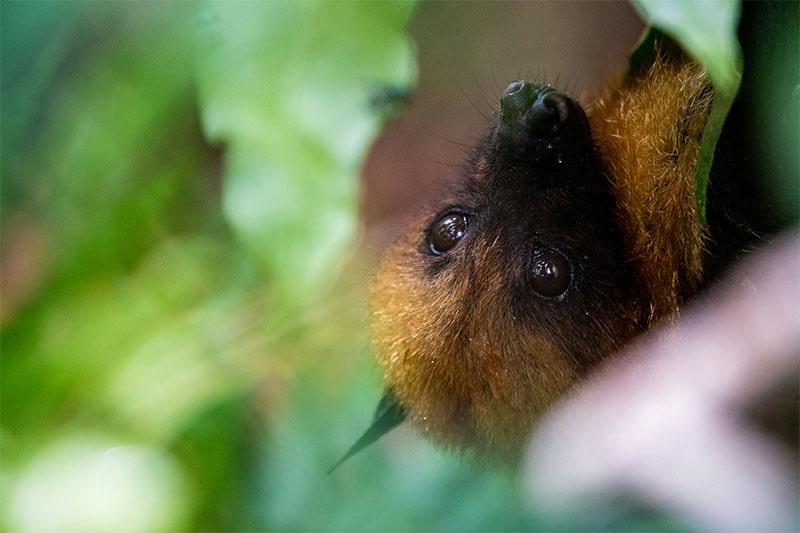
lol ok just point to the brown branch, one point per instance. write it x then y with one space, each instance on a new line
665 422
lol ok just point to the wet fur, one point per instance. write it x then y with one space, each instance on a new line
470 353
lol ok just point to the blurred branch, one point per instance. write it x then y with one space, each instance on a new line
665 422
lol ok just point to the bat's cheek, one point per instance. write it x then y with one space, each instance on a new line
416 334
465 380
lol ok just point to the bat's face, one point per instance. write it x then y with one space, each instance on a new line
493 303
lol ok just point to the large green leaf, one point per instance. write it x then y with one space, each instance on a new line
285 86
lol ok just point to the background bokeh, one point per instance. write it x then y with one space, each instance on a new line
193 196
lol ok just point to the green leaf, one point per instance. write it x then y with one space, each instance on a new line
706 31
285 86
388 416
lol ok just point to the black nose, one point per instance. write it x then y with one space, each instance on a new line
534 107
543 131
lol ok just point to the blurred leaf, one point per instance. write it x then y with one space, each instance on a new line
71 480
105 137
706 30
388 416
137 350
285 87
34 38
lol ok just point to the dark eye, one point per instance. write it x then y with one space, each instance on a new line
446 231
550 274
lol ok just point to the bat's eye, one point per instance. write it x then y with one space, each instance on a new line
550 274
446 231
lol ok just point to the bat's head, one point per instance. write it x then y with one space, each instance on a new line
511 286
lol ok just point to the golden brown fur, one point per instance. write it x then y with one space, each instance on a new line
470 354
461 375
648 131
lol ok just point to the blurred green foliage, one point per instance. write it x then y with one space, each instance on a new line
288 98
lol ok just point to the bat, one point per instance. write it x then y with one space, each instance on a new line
569 230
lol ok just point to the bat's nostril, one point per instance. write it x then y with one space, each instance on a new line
559 103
